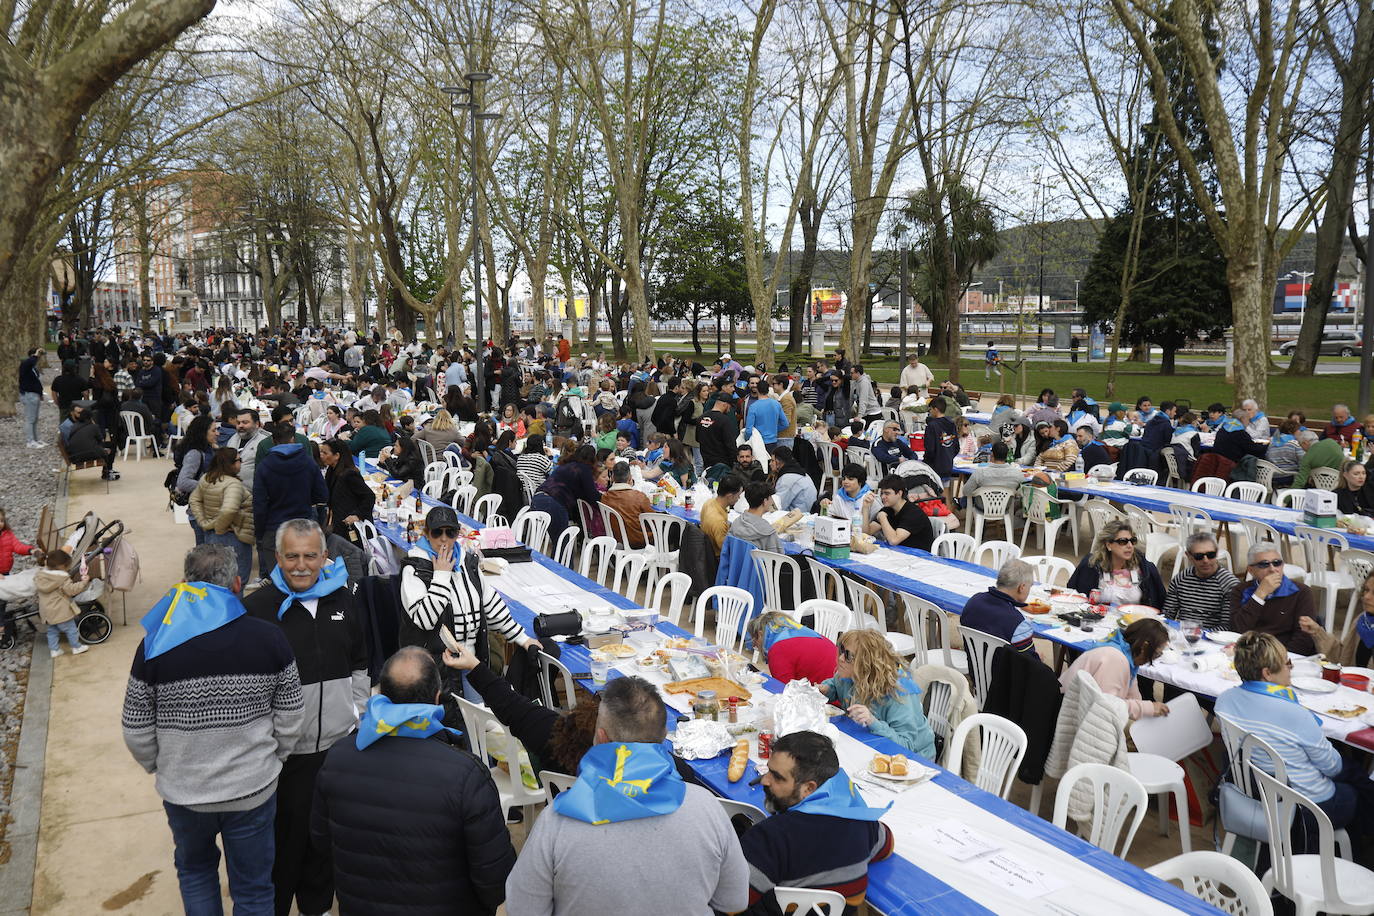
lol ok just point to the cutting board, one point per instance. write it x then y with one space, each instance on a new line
724 689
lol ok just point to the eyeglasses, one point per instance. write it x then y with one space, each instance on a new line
445 532
1268 564
1124 541
1205 555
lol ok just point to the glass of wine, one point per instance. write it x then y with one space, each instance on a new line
1192 633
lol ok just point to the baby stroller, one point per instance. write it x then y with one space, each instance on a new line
88 543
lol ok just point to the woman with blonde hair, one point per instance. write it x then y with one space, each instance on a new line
791 650
871 685
440 431
1118 570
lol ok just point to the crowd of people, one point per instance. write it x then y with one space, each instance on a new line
258 701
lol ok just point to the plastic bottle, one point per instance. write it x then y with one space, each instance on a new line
1078 463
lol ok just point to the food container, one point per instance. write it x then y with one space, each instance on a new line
1331 672
641 618
706 706
1355 681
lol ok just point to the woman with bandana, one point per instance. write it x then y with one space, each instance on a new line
1115 661
1356 647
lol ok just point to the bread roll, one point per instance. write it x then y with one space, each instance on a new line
739 760
881 763
898 765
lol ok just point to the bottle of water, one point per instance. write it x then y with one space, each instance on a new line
1078 463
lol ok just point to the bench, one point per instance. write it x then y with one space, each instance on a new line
68 465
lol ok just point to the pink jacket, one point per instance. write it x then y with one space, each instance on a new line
9 546
1109 668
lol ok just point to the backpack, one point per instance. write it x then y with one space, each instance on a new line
121 566
566 421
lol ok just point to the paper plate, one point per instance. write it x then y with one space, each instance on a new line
1314 685
1138 610
1222 637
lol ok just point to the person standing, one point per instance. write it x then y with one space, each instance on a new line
865 398
246 441
915 373
992 361
287 484
223 507
212 708
31 396
766 417
310 598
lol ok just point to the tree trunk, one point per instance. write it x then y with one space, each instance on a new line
22 307
594 301
615 314
1166 360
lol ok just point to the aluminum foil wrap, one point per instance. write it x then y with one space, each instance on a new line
701 738
800 708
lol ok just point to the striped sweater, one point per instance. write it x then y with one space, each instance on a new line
796 849
1290 730
1205 601
459 599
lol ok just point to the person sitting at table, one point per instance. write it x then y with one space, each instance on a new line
675 464
1159 429
1285 452
791 650
1091 449
1351 497
794 487
715 512
997 611
996 473
821 834
1117 570
1266 705
746 465
1081 416
1186 435
1046 407
404 461
1023 445
900 522
1114 662
1356 647
1058 449
1201 592
575 858
1116 429
891 448
628 502
1256 423
1342 426
871 685
1270 602
368 438
1324 453
855 499
1215 415
440 431
1305 435
573 479
1234 442
750 525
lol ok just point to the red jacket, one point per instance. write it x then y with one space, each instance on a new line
9 546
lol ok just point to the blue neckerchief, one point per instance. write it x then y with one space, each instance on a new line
1364 625
1096 442
775 631
1266 689
1348 421
1232 425
623 781
1182 433
1213 424
188 610
1283 439
1118 641
653 456
839 797
1259 415
1286 588
1064 438
1149 415
1089 401
1075 416
332 578
401 720
287 448
854 500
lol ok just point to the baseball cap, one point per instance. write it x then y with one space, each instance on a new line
725 357
441 517
1115 406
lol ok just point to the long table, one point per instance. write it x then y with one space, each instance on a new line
1056 863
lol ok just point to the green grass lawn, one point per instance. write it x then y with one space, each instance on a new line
1200 385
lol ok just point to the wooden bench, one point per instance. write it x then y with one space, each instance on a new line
68 465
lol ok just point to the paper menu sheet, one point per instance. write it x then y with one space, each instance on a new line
1017 876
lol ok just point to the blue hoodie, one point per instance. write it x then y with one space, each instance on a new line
287 484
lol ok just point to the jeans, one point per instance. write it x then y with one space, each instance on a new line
31 400
696 461
242 552
249 848
195 528
68 627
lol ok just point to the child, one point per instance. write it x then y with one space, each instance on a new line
9 546
56 589
791 650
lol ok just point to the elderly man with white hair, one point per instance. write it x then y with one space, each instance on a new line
1270 602
1256 423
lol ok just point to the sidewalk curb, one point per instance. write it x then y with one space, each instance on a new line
26 796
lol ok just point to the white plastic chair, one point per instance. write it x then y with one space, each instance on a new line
617 527
1318 544
136 435
661 530
183 421
980 647
1246 490
1098 512
463 497
1289 498
993 504
869 612
435 470
809 901
926 621
566 544
629 571
1316 883
830 456
532 529
1358 564
733 606
1141 477
596 559
954 546
551 780
1118 805
1211 486
550 671
1003 745
1051 570
994 553
1264 476
434 489
485 509
828 581
830 618
1161 741
509 786
1218 879
452 459
1038 513
1253 531
669 596
732 807
427 451
770 566
1323 479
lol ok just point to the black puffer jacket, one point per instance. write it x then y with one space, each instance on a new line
416 829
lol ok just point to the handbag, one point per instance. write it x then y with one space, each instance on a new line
563 623
1241 814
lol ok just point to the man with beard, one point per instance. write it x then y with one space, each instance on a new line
821 834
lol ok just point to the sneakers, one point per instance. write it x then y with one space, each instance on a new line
79 649
36 444
110 475
53 653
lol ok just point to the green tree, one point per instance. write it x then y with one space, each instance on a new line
1181 293
702 271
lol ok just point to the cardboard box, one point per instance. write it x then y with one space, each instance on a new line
832 551
832 531
1319 502
1319 521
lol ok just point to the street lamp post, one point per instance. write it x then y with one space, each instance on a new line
478 116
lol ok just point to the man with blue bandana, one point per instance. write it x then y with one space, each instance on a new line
213 707
630 807
821 835
414 826
309 597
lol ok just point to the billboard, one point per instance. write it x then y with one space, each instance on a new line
826 301
1292 297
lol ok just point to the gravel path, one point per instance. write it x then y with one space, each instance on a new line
27 484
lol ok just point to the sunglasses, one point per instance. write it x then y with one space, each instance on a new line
1268 564
1124 541
1205 555
445 532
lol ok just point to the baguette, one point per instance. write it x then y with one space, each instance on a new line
739 760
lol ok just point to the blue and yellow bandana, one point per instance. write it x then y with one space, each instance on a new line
401 720
839 797
188 610
623 781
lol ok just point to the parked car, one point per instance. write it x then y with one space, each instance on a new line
1334 343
